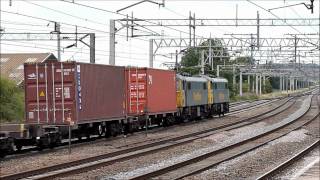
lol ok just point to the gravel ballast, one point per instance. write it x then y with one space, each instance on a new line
138 165
61 155
253 164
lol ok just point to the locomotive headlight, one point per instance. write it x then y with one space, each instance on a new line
37 137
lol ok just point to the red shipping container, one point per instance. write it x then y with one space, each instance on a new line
150 91
58 92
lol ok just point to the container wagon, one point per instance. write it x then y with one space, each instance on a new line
89 96
107 100
151 96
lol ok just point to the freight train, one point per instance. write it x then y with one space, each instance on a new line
109 100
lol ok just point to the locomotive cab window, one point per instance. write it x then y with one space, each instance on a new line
189 85
226 85
204 86
215 86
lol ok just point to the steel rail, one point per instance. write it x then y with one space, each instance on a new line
132 152
249 107
34 150
200 158
290 161
251 149
76 143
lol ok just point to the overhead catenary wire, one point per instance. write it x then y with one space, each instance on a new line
98 50
84 19
274 15
21 23
294 11
124 15
53 50
77 17
121 37
23 29
64 27
52 21
283 21
98 38
64 13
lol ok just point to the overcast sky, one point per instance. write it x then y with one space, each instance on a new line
135 51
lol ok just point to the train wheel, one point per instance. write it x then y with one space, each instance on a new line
171 120
100 130
51 142
58 142
107 131
3 154
114 130
18 147
159 122
52 145
164 123
11 150
40 146
132 129
87 136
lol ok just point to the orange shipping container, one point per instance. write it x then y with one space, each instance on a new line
150 91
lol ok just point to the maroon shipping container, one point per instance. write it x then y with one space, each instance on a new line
150 90
57 92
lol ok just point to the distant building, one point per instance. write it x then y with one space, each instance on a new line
12 63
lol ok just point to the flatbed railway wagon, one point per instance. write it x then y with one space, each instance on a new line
90 97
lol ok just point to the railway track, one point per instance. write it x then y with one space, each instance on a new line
290 161
236 107
263 101
212 158
107 159
76 143
239 103
250 103
244 108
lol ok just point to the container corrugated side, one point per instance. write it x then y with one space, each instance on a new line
58 92
102 90
150 91
161 91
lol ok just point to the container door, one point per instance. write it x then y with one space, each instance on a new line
62 102
137 87
37 99
50 93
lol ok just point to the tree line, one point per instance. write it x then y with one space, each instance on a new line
11 101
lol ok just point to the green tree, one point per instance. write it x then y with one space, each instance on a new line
268 87
190 63
11 101
191 58
242 60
